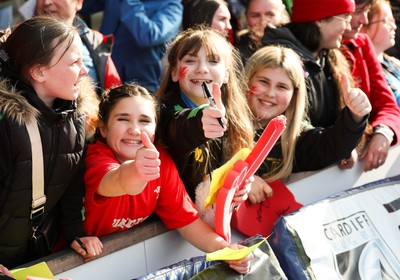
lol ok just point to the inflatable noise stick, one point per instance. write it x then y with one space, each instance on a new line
243 170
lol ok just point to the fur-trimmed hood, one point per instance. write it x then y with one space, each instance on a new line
14 106
62 134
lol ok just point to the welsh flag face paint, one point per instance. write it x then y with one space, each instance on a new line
252 89
182 72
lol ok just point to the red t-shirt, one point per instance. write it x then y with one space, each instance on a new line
166 196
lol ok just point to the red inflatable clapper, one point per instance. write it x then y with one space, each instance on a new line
241 171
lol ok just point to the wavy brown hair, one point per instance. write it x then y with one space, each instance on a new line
240 130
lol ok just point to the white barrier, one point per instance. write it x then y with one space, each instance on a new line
168 248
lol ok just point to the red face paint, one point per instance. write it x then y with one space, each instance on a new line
252 89
182 72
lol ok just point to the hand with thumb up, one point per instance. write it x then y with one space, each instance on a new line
213 120
147 162
356 100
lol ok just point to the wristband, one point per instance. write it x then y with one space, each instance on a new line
385 131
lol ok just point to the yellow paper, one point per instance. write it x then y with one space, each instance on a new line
38 270
228 254
220 174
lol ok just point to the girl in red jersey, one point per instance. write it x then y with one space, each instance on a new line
128 177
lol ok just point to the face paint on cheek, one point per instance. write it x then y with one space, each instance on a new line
252 89
182 72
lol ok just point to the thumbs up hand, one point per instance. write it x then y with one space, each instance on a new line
356 100
147 162
211 126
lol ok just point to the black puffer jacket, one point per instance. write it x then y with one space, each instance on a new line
62 131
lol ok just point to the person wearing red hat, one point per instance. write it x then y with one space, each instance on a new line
311 10
315 33
366 69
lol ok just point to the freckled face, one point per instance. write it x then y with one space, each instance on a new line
270 94
129 117
193 69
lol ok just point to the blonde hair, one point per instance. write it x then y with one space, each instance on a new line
296 113
240 130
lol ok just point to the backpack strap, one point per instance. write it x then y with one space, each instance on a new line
38 196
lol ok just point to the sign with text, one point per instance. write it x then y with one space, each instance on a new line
353 235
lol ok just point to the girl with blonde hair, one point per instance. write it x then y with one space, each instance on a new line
276 81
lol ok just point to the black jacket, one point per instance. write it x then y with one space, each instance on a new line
246 46
62 131
189 150
317 148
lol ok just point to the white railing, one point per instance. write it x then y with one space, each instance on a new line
168 248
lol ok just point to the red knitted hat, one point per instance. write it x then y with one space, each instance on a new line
312 10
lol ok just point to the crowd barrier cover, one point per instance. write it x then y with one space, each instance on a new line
351 235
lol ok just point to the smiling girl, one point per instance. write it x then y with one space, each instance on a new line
128 177
315 32
188 125
277 87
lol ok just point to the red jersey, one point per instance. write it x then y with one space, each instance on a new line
165 196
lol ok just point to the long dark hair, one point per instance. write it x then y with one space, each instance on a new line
307 33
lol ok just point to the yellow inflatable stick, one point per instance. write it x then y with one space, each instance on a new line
219 175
